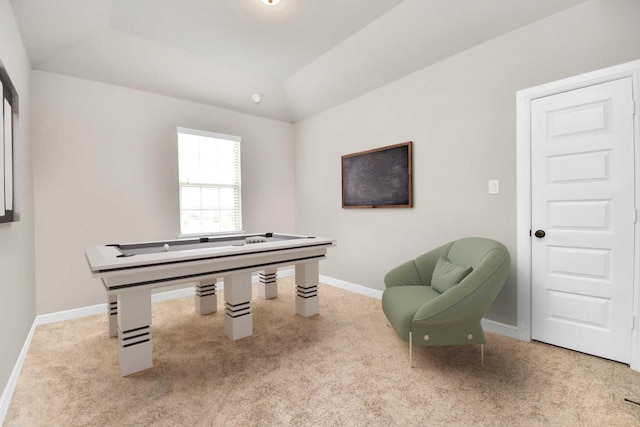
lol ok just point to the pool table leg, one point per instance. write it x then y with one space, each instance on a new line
238 321
206 300
112 314
268 285
307 278
134 331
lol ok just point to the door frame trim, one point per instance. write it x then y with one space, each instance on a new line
523 188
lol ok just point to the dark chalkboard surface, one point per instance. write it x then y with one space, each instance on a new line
379 178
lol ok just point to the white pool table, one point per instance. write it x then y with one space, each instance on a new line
130 271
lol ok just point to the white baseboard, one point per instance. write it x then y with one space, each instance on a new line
352 287
488 325
74 313
287 272
7 394
500 328
188 291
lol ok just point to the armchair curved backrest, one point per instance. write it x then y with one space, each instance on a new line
413 306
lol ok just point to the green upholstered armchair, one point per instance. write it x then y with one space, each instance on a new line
440 297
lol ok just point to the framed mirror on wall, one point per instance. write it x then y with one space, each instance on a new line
9 111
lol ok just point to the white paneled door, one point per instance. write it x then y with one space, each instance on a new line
583 214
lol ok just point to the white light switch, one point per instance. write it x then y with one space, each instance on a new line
494 186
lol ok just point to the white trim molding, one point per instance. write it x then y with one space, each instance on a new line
351 287
5 400
500 328
7 394
523 158
73 313
487 324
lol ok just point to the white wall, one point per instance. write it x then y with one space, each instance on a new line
106 171
460 114
17 282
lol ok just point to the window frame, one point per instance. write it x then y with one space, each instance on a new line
238 212
7 169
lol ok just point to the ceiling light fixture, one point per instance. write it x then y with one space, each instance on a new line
271 2
256 98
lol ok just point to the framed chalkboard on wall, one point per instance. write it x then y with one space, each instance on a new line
378 178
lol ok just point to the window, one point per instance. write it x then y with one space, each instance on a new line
8 108
209 178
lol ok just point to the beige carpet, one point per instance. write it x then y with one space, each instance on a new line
342 367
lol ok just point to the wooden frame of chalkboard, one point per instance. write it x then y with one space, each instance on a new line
378 178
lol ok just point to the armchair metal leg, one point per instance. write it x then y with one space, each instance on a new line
410 349
482 354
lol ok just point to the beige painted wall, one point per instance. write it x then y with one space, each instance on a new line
17 282
105 171
460 114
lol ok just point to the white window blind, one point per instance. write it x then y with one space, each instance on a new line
210 184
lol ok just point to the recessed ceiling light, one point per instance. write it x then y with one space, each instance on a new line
271 2
257 97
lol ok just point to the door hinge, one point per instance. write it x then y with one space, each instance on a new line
633 324
633 107
635 220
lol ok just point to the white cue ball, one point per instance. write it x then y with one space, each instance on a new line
166 247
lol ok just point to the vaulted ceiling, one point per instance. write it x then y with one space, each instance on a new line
304 56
